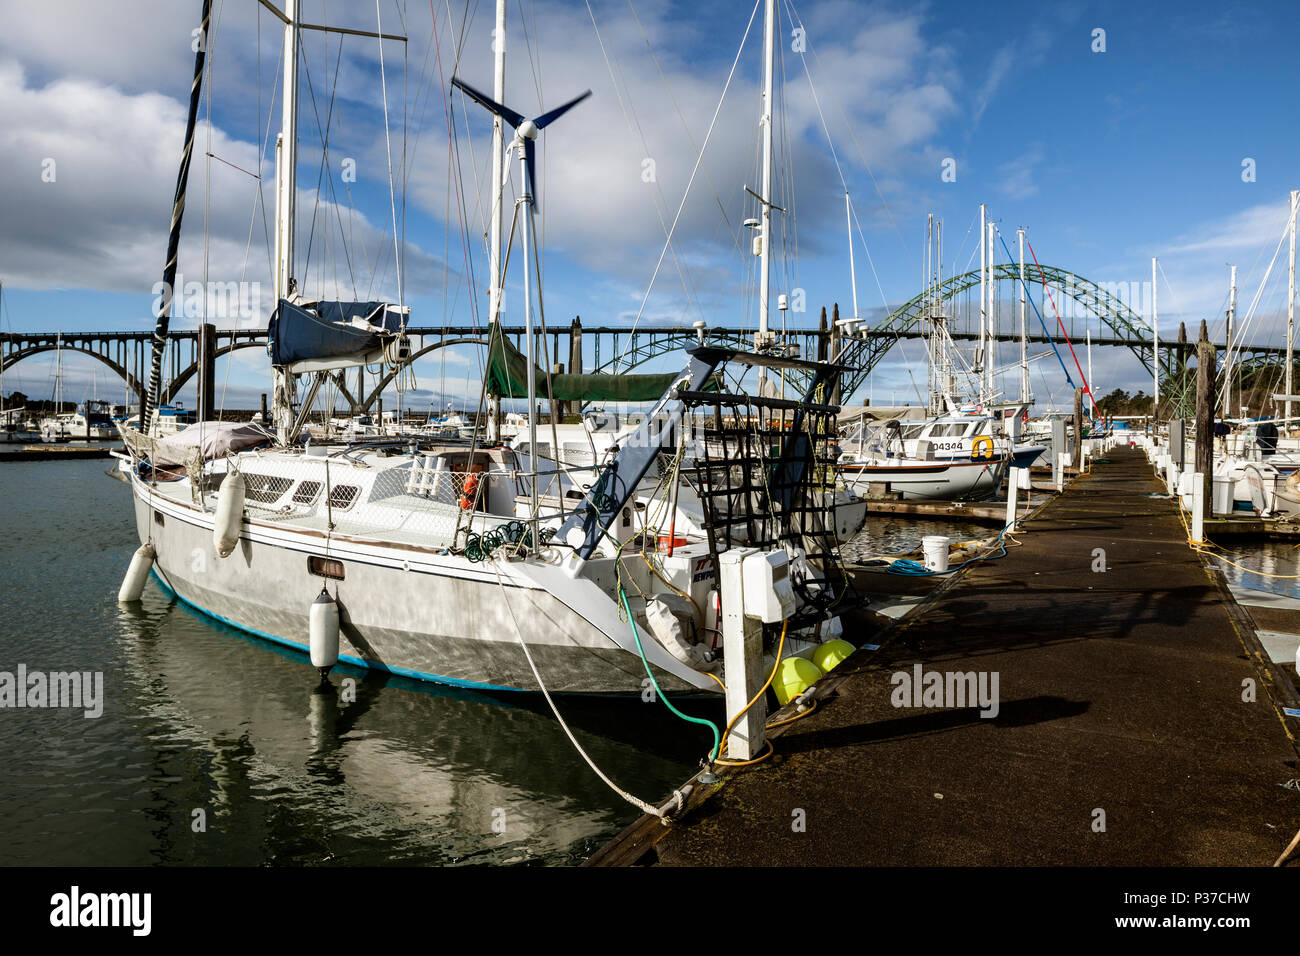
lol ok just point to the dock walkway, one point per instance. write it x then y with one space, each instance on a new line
1120 705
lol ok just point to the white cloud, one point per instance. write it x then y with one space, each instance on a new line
1017 176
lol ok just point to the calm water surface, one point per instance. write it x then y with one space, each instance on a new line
199 716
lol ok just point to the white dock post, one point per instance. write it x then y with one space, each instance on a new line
742 648
1058 478
1198 507
1013 483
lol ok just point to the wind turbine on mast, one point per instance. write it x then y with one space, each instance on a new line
525 141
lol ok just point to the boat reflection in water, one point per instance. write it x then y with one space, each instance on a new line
409 772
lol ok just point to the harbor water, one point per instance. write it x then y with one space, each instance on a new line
216 747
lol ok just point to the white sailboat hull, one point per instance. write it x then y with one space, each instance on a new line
406 610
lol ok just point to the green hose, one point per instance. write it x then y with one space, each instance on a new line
717 740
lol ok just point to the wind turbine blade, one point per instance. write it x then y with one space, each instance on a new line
546 119
507 114
530 162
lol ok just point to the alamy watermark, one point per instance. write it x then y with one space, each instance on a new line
75 909
950 689
78 690
213 299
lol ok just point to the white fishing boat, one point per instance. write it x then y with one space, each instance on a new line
93 420
874 455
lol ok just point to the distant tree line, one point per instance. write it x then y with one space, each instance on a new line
1120 402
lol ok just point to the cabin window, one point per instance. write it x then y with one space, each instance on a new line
306 492
265 489
330 568
158 518
342 496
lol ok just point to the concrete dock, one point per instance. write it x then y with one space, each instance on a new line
1139 720
54 452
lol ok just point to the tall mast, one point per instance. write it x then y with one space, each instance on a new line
1290 308
498 186
1227 362
1024 328
526 200
988 351
984 275
163 319
1087 332
286 184
286 166
927 307
1155 341
853 275
765 214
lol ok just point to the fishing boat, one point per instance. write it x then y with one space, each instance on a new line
93 420
876 455
448 562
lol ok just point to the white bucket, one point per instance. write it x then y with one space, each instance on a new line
936 548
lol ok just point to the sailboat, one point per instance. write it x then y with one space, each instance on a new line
58 427
445 561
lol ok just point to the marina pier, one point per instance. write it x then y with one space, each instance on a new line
1139 720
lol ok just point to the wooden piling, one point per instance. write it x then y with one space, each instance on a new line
1205 368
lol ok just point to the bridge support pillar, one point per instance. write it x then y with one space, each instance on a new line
207 371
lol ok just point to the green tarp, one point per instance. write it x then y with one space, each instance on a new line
507 376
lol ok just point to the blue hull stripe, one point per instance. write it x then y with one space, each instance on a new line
343 658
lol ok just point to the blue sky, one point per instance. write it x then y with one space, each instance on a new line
1105 158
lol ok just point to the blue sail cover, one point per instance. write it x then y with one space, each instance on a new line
325 336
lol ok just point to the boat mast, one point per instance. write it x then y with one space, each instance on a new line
1227 362
498 188
984 268
761 340
988 351
853 275
526 200
286 181
1024 328
1290 310
174 236
928 306
1155 341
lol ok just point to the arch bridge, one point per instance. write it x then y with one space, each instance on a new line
620 349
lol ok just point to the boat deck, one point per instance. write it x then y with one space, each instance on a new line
1120 693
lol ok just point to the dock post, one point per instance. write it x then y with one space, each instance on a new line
1198 507
1058 469
1057 448
742 649
1205 402
1013 483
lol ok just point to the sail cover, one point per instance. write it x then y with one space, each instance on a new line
328 335
507 376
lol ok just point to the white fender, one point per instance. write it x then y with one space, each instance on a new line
230 514
137 574
323 631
